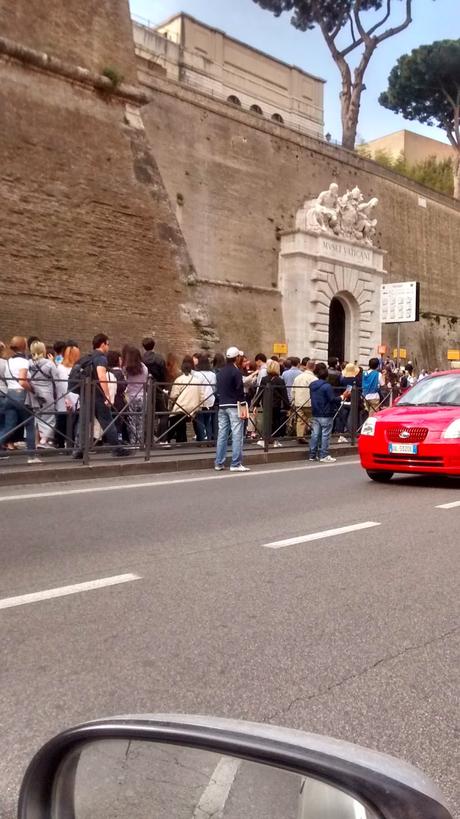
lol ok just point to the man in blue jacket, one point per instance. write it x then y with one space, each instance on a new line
232 404
324 404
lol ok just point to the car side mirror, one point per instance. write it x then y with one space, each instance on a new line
183 767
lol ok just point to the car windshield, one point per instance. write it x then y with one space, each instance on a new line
440 391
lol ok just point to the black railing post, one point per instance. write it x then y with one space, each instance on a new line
149 409
354 413
86 415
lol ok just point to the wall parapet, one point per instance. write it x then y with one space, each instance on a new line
333 152
53 65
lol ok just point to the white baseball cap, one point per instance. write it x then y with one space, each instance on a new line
233 352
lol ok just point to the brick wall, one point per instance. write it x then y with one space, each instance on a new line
88 240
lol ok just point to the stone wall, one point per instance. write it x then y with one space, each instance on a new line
236 184
95 34
88 239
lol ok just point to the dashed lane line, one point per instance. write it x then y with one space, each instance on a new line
63 591
342 530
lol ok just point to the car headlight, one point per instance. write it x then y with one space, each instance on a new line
368 428
453 430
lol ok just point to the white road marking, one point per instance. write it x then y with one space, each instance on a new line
62 591
215 795
59 493
451 505
343 530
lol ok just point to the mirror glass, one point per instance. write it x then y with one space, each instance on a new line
119 779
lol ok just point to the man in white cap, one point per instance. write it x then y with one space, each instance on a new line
231 412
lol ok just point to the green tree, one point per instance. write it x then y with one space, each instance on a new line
347 27
432 172
425 86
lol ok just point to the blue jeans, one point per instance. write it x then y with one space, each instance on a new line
15 412
320 435
204 426
228 421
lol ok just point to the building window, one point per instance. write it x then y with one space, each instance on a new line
278 118
234 100
256 109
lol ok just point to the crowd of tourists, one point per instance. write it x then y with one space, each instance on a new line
231 396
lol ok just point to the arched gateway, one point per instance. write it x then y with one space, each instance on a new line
330 277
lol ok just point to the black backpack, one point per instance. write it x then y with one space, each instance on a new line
82 369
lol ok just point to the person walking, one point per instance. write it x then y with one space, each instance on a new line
15 409
186 398
302 400
371 384
280 401
135 373
66 402
43 378
156 366
232 413
204 419
95 365
325 405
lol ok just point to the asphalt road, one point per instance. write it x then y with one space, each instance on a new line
354 635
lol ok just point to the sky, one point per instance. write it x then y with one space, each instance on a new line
245 20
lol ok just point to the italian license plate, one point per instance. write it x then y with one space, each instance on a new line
403 449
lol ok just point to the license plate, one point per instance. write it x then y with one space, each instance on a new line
403 449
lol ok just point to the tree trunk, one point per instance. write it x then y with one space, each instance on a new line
350 103
456 172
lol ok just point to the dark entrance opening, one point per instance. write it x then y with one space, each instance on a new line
336 346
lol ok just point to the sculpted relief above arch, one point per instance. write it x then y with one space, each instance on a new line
348 216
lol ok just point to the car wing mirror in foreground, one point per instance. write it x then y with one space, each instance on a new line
184 767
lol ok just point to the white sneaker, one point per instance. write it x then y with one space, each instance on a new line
277 444
343 440
327 460
34 460
45 445
219 467
239 468
260 443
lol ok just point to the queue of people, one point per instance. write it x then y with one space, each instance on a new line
231 397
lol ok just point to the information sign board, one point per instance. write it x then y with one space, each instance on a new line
400 302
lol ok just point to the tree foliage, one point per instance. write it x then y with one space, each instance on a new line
346 19
432 172
425 86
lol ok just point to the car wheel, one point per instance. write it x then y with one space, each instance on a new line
380 476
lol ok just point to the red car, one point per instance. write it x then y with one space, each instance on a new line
420 433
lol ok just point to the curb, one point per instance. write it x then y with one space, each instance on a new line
173 463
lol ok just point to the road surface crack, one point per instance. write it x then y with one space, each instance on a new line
282 712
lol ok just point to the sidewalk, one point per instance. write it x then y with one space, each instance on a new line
15 471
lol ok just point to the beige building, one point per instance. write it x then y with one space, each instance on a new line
415 147
197 55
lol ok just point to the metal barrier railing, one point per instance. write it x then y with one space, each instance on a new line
147 416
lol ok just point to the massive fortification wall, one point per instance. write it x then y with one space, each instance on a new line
88 240
236 182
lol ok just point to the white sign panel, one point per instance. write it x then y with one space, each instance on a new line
399 302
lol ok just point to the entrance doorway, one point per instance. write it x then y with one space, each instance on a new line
337 322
